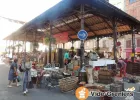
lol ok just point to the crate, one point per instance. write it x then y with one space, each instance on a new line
115 88
121 84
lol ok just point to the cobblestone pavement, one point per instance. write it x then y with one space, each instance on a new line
15 93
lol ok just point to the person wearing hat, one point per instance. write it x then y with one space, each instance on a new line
26 66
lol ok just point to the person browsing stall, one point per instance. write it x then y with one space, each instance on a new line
122 65
66 59
26 66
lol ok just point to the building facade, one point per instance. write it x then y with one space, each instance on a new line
132 7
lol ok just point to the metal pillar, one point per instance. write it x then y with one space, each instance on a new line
13 48
72 49
97 44
9 46
50 42
133 44
34 42
18 47
63 45
25 47
6 47
82 42
115 39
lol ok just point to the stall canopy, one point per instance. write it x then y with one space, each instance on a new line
66 18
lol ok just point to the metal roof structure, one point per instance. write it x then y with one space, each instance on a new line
66 17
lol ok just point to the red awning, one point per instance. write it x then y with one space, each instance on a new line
61 37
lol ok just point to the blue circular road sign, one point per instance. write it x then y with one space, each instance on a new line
82 34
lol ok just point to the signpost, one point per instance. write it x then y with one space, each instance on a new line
82 35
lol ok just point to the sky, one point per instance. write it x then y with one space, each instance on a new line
22 10
118 3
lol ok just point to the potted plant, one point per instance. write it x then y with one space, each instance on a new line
48 39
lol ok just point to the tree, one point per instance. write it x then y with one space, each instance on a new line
48 39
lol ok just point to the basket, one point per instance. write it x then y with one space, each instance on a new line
68 84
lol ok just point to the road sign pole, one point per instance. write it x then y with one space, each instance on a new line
82 41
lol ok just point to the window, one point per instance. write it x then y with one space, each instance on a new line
132 1
128 44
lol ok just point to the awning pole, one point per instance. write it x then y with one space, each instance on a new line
133 44
82 41
115 38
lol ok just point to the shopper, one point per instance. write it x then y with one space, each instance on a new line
26 66
13 73
66 60
122 65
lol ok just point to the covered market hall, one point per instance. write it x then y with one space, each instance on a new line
99 19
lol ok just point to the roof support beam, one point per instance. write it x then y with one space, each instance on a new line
133 43
97 30
57 28
106 35
108 24
114 39
86 25
69 26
